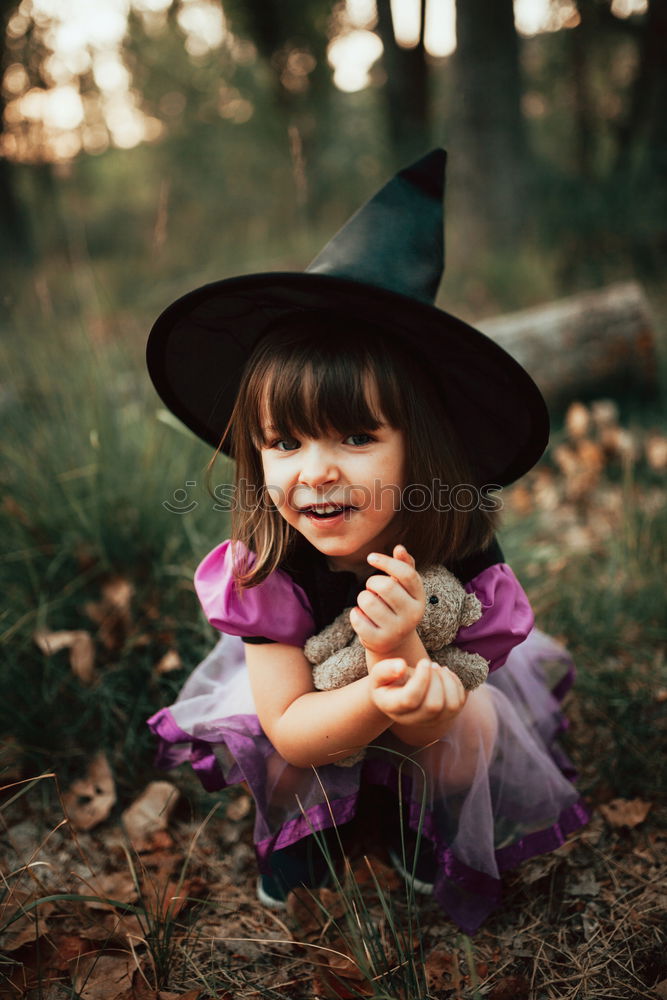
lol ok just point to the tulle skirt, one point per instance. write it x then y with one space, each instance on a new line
497 789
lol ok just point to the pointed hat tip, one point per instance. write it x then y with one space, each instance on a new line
428 173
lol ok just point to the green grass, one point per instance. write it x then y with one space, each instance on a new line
86 468
608 606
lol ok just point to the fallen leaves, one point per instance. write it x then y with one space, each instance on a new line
23 920
169 662
117 887
89 800
625 812
113 612
80 645
103 977
438 967
511 988
149 814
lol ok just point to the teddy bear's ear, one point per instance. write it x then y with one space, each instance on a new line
471 610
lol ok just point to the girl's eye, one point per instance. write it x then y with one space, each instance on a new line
286 444
359 439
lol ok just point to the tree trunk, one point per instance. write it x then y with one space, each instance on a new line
406 90
592 342
15 240
488 158
646 118
280 29
582 42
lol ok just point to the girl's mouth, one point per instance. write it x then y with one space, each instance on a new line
326 512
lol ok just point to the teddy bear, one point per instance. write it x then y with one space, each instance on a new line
338 658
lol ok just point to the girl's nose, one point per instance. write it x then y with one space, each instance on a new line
318 466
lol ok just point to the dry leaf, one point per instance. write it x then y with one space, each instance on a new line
80 645
619 443
113 612
521 500
170 661
566 459
590 455
141 989
585 885
604 413
26 927
161 861
114 928
16 511
103 977
577 421
82 657
52 642
239 808
545 491
311 908
11 756
343 965
190 995
660 989
118 886
655 448
90 800
386 875
330 985
150 813
438 967
67 947
168 899
626 812
511 988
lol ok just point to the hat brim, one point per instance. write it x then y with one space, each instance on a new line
199 346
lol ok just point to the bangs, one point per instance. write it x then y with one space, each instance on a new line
315 373
308 388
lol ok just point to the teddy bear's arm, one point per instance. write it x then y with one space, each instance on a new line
471 668
330 639
341 668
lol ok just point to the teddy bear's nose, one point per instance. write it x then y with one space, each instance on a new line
433 599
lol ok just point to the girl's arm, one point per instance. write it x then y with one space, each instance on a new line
309 727
422 701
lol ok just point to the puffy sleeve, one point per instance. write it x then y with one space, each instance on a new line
506 620
276 609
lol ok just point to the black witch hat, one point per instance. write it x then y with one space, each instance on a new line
383 266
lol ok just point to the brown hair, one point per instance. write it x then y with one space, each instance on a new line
298 375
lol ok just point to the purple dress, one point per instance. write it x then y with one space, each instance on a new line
512 800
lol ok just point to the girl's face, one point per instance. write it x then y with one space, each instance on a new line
340 492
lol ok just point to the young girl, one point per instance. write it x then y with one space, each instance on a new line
370 432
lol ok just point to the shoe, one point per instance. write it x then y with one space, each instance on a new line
300 864
420 874
270 894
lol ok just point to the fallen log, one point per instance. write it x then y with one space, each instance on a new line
585 344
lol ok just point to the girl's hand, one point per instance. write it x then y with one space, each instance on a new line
430 695
391 607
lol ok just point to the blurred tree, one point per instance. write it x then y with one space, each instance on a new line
406 89
645 120
15 241
583 38
491 149
292 37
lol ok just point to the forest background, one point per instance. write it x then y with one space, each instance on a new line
150 146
